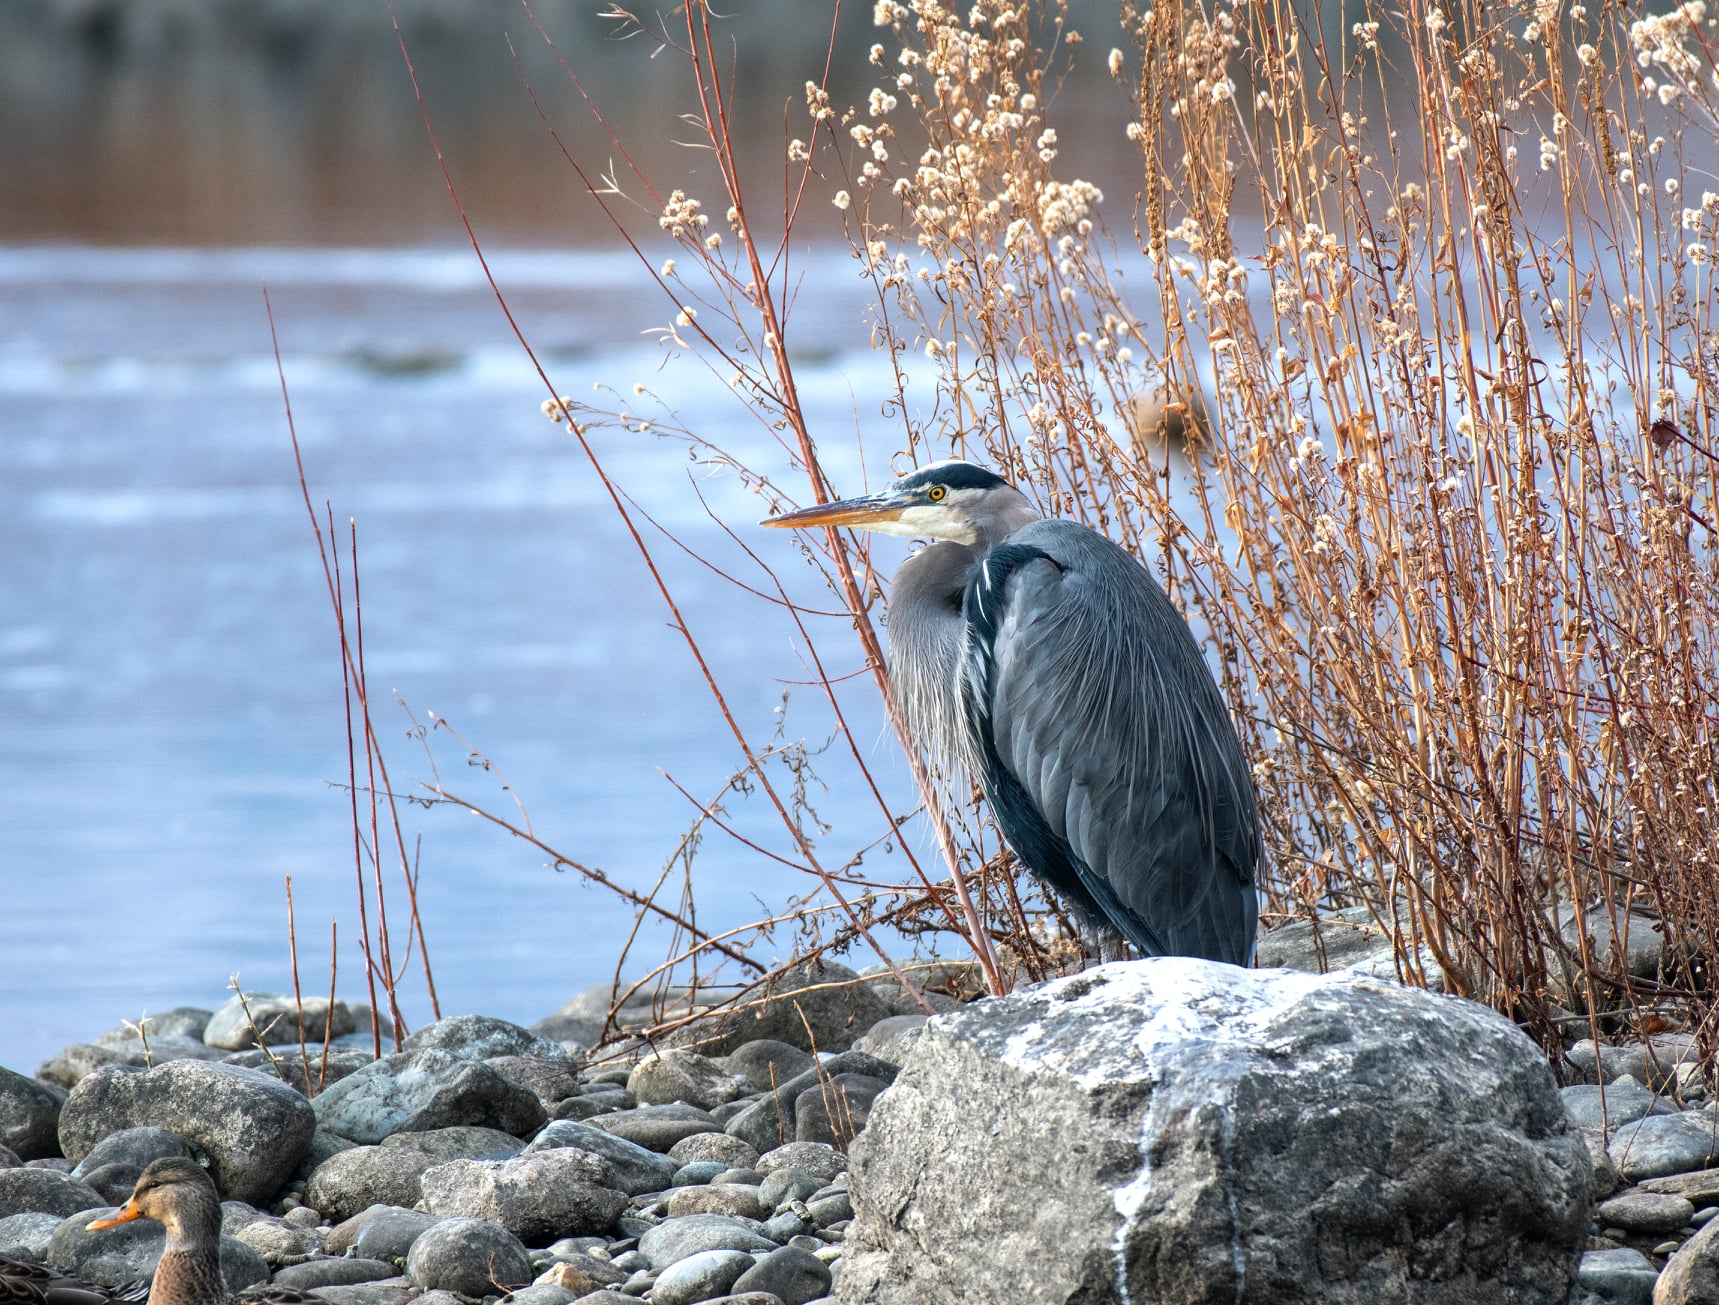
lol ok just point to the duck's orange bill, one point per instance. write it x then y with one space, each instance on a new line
125 1214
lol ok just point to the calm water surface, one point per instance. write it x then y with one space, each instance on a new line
170 692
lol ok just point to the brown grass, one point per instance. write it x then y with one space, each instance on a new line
1449 532
1431 294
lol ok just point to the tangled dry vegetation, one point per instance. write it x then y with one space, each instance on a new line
1444 280
1394 358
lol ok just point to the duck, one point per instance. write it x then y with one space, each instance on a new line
25 1282
179 1194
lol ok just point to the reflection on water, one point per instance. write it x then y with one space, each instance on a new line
169 681
262 123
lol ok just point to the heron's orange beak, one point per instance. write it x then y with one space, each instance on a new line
865 511
125 1214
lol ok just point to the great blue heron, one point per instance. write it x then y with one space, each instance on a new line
1044 659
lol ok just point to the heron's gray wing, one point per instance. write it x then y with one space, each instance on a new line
1096 699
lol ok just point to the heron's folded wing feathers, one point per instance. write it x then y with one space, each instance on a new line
1101 705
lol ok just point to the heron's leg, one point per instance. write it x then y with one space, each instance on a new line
1102 941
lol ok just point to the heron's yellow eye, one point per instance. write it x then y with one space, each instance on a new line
936 493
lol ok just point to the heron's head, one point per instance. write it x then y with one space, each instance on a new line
946 500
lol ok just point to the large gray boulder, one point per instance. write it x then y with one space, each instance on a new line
1666 1144
656 1128
481 1037
252 1126
674 1240
77 1062
551 1079
472 1257
1176 1131
180 1022
352 1181
27 1233
705 1276
536 1197
310 1072
29 1116
771 1119
417 1090
43 1191
383 1232
673 1074
626 1166
135 1147
791 1274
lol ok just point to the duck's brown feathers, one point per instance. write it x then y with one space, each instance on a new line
24 1282
183 1198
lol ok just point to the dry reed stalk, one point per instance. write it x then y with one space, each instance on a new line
773 382
259 1033
376 947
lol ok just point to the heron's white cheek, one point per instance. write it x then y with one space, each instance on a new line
935 523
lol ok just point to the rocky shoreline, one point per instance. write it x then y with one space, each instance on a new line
490 1160
484 1159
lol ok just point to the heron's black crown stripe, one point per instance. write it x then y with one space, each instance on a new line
954 475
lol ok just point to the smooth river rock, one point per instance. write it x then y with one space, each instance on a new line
1175 1130
130 1252
252 1127
354 1180
29 1116
471 1257
416 1090
276 1018
536 1197
818 1006
481 1037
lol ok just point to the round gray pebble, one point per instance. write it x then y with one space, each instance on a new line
787 1185
793 1275
471 1257
815 1158
716 1198
699 1277
1645 1212
677 1239
732 1151
698 1172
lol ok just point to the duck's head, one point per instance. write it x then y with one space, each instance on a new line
165 1191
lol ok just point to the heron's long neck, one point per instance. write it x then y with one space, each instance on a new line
925 633
1009 513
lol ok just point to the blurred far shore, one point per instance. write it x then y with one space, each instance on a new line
294 122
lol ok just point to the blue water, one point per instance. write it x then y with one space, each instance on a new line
170 691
